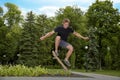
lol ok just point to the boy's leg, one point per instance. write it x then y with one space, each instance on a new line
57 42
70 50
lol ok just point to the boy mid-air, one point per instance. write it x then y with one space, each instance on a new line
63 32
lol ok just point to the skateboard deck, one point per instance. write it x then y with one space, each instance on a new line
59 61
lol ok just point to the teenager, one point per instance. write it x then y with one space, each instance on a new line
63 32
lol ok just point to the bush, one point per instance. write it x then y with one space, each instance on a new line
21 70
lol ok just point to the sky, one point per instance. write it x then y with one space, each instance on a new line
49 7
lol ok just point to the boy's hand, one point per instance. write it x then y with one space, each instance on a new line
86 38
42 38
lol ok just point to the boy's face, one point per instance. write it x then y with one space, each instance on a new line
66 25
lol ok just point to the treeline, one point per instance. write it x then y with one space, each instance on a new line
20 44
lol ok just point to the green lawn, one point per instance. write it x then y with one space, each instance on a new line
104 72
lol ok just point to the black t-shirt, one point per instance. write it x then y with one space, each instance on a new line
63 33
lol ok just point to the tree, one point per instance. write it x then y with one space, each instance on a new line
1 11
28 47
91 62
105 18
8 41
1 17
73 13
44 25
115 50
13 15
3 44
108 59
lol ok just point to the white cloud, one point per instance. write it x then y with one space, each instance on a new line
48 10
51 9
60 2
85 1
83 8
4 8
68 1
39 1
24 11
114 1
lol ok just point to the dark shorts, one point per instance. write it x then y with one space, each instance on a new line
64 44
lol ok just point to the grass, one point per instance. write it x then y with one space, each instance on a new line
60 72
21 70
104 72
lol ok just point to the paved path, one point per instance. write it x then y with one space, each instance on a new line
98 76
91 77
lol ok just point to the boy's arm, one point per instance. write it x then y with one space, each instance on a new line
80 36
47 35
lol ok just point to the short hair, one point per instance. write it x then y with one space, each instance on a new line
66 20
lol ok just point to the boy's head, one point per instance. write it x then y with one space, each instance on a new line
66 23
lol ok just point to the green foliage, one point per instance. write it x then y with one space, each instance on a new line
9 35
74 14
19 41
28 41
21 70
73 58
3 43
9 43
115 51
1 11
91 62
13 15
36 51
105 18
1 17
108 60
45 25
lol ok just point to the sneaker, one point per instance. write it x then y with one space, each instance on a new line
67 62
57 54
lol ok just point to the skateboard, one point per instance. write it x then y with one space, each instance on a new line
59 61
